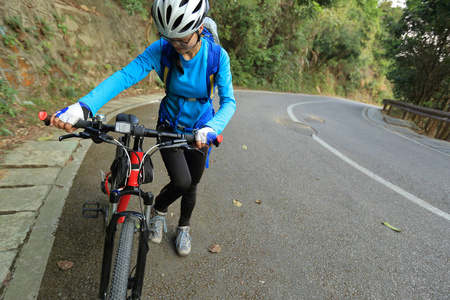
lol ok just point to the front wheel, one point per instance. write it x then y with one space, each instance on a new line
121 272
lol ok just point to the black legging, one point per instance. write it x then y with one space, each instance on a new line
185 168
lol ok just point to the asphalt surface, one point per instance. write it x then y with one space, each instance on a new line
327 173
318 232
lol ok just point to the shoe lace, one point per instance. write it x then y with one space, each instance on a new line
183 238
157 220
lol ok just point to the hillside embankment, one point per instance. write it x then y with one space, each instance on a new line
53 52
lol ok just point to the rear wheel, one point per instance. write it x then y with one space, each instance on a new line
121 272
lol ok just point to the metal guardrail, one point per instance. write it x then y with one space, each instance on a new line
438 124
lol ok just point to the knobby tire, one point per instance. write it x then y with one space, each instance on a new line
121 272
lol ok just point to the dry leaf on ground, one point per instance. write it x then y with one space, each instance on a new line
65 265
257 201
237 203
391 227
215 248
45 138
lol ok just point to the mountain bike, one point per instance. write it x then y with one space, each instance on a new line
130 168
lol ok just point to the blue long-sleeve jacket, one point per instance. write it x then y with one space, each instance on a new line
191 84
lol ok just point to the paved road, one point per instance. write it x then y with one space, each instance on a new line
317 233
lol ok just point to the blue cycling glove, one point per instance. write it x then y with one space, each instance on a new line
73 113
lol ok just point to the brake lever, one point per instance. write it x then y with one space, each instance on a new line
69 136
81 135
168 146
184 145
190 148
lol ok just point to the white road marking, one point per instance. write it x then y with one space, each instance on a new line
290 107
369 173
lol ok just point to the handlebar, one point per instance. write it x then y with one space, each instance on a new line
97 128
45 117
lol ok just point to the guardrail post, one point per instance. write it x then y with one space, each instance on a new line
389 110
432 127
444 133
405 114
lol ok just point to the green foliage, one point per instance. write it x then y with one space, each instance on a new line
304 45
63 28
70 92
135 7
261 39
15 23
65 88
7 107
60 23
10 40
44 28
12 60
7 98
420 48
81 47
18 37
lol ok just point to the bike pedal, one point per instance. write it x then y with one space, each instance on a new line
102 186
91 209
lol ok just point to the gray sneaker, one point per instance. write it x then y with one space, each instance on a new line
157 225
183 241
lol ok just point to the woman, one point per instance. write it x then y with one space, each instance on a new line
186 107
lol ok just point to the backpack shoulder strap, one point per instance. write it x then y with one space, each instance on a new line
212 68
166 63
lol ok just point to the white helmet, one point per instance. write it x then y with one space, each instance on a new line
179 18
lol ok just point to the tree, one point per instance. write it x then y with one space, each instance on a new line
309 46
420 49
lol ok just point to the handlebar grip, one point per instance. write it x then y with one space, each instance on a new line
213 138
190 138
45 117
82 124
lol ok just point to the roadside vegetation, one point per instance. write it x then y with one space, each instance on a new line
47 60
365 50
319 47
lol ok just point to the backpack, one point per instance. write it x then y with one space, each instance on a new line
210 36
211 30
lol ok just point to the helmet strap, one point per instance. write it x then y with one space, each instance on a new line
199 40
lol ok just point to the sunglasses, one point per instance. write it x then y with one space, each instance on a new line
178 42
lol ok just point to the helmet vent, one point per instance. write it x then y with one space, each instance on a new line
160 19
187 27
198 23
183 2
199 5
177 22
168 14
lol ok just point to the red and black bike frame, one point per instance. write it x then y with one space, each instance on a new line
119 200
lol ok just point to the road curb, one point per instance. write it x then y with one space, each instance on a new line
403 129
31 261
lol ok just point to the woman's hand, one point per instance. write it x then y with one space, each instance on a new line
67 117
201 137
